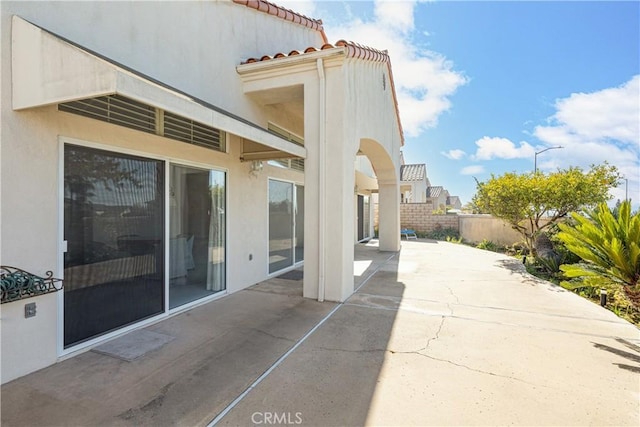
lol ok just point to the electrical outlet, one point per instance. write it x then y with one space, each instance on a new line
30 310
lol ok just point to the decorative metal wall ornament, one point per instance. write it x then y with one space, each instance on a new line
17 284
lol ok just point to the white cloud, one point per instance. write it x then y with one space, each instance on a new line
609 114
501 148
424 80
304 7
395 14
473 169
455 154
598 126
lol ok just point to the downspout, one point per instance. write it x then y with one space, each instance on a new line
322 179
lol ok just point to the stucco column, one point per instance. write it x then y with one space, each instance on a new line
339 224
329 186
389 216
312 246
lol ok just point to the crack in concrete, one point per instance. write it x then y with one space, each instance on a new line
452 294
436 336
480 371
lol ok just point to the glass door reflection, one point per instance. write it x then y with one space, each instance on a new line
197 234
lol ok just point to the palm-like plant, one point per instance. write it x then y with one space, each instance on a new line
609 247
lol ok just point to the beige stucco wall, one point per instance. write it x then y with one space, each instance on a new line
476 228
178 55
31 209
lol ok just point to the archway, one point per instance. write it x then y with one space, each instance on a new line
388 193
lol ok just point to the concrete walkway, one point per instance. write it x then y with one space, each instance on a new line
440 334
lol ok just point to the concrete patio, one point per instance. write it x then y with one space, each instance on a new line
438 334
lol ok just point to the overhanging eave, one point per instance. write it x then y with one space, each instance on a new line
48 70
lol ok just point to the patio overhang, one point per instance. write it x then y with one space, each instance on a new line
48 70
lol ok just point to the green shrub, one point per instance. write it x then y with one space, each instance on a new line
517 250
441 234
488 245
452 239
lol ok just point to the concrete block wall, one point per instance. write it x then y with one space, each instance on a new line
419 217
472 228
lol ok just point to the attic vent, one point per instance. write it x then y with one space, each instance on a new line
285 134
115 109
280 162
185 130
126 112
297 164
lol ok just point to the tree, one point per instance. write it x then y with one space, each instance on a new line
531 202
608 245
472 208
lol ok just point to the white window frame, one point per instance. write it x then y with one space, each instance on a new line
293 225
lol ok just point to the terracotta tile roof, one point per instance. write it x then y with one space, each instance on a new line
286 14
413 172
352 50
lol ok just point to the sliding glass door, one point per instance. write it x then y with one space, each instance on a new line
114 228
286 224
115 217
197 234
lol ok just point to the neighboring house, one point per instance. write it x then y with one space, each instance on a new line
160 155
454 202
438 197
413 183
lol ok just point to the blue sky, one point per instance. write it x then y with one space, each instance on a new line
483 85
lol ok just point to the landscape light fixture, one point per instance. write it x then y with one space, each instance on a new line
535 158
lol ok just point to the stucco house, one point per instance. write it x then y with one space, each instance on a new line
454 202
414 183
160 155
437 195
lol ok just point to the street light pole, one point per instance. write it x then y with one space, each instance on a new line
626 189
535 158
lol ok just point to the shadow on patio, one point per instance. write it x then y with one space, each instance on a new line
331 378
218 351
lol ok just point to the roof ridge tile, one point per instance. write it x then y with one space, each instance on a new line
284 13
